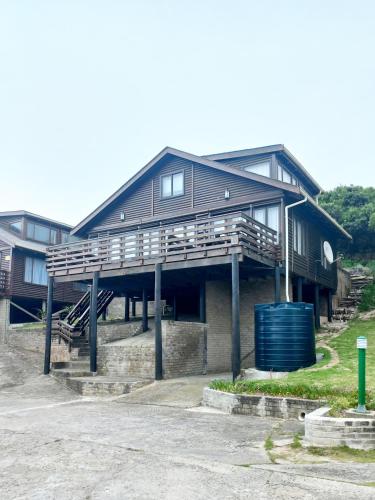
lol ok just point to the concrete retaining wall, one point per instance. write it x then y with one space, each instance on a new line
4 319
109 332
259 406
324 431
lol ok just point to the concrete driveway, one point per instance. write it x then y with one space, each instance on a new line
149 445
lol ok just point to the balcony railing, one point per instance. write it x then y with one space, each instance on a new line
190 239
4 281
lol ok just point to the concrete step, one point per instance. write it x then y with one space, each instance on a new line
102 385
63 373
79 364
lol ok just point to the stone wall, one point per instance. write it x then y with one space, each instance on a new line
322 431
116 309
184 352
259 406
30 338
343 286
219 319
111 331
184 348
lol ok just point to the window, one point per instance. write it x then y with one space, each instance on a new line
172 185
299 237
44 234
284 176
269 216
64 237
35 271
16 227
260 168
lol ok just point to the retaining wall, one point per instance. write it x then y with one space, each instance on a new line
259 406
324 431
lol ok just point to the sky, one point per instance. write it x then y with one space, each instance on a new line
90 91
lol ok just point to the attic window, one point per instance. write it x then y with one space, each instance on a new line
284 176
263 168
172 185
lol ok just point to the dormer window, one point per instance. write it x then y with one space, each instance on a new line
172 185
262 168
284 176
16 227
43 234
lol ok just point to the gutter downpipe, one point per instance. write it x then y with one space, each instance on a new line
286 209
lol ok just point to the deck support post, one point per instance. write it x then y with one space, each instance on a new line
202 302
277 284
144 310
236 338
158 333
134 303
93 324
329 305
47 350
299 289
317 306
127 308
175 315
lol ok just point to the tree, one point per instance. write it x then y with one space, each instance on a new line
354 208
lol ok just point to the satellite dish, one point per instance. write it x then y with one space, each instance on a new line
328 253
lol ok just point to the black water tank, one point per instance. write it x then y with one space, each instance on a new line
284 336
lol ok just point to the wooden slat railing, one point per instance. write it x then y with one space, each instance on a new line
219 232
4 281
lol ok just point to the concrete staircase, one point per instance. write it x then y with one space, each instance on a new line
76 375
348 306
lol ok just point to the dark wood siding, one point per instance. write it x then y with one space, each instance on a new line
310 265
63 291
210 185
203 187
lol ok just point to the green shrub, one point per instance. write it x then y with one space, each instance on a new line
368 298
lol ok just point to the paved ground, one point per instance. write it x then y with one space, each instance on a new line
56 445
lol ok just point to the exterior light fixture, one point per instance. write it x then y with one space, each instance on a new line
122 216
227 194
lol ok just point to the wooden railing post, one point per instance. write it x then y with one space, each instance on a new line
93 322
158 333
47 350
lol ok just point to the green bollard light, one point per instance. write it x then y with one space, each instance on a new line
361 346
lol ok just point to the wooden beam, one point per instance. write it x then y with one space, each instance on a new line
317 306
144 310
329 305
47 349
202 302
25 311
299 289
158 333
93 325
236 338
127 308
277 285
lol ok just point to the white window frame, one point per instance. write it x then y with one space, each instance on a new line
171 176
299 237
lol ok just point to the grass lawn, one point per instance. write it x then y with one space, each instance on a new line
337 385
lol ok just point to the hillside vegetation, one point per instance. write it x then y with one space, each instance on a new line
354 208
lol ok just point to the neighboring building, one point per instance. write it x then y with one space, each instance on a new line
24 238
196 217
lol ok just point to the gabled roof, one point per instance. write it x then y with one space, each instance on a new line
24 213
276 148
193 158
14 241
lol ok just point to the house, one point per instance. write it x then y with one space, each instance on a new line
210 236
24 238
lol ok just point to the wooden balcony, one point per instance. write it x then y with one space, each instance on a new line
190 241
4 282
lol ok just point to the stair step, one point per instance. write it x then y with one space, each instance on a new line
102 385
70 372
79 364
